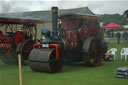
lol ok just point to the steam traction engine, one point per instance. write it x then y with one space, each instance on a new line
14 39
75 38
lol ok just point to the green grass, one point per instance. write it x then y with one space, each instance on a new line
71 75
115 45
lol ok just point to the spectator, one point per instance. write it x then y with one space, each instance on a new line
125 36
108 33
112 31
118 37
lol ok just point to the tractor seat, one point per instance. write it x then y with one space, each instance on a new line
9 34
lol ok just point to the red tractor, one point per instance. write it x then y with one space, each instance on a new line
74 38
13 39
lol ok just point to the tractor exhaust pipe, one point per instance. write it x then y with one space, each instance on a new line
54 21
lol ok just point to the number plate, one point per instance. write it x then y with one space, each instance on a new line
45 45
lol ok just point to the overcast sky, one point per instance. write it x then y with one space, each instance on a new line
96 6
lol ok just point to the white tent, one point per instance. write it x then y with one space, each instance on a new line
125 26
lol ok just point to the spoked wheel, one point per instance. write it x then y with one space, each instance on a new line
24 49
44 60
10 57
93 51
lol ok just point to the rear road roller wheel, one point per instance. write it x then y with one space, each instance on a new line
24 49
44 60
93 51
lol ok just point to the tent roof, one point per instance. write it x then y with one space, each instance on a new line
112 25
125 26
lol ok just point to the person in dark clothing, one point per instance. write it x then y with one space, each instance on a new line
112 31
125 36
108 33
118 37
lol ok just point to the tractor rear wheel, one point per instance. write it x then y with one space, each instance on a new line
93 52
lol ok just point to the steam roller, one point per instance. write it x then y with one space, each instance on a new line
74 38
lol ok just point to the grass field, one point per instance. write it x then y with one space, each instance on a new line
71 75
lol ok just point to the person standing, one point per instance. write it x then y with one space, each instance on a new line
125 37
118 37
112 31
108 33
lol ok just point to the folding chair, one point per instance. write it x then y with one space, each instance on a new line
112 51
124 52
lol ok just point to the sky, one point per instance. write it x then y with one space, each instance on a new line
96 6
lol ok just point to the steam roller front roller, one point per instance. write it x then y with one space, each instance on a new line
44 60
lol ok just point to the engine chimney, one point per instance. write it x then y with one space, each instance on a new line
54 21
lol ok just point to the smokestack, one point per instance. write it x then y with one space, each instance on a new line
54 21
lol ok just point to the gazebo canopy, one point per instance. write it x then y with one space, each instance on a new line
112 25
